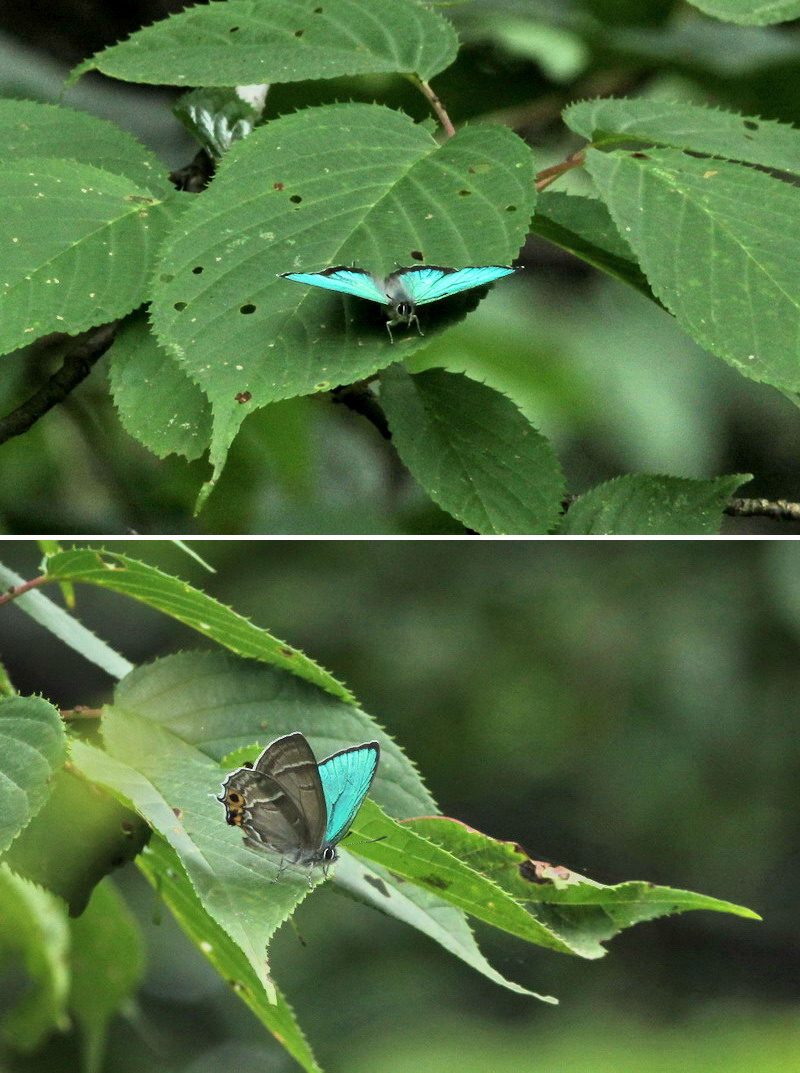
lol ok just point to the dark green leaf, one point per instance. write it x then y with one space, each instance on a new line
583 226
641 505
473 451
720 245
257 41
157 402
78 246
335 185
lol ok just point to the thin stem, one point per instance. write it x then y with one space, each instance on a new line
20 590
549 175
80 712
77 366
436 104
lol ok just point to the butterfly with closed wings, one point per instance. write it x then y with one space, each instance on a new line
401 291
288 803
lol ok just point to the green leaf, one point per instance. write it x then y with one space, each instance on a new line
33 923
62 625
420 908
164 734
720 245
158 404
6 685
257 41
609 123
33 747
583 912
404 849
583 226
34 129
473 451
751 12
641 505
77 246
80 835
162 867
107 965
341 184
174 597
216 118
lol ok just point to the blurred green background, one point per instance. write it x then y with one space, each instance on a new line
604 373
627 709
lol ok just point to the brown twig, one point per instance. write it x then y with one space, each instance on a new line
549 175
80 712
780 509
20 590
77 366
436 104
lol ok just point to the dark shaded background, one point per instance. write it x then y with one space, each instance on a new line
627 709
607 375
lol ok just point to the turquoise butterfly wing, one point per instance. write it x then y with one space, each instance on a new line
346 778
347 280
429 283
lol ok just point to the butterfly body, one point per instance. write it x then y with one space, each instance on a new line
403 290
289 804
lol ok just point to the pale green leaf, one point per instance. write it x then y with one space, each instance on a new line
119 573
162 867
35 129
584 913
609 123
420 908
473 451
33 925
64 626
79 836
107 965
642 505
168 724
720 246
257 41
751 12
77 246
157 402
33 748
342 184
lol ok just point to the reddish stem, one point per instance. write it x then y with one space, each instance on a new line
20 590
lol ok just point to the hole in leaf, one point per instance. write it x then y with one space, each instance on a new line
511 208
317 11
299 33
243 396
180 306
464 193
295 199
197 269
750 124
248 308
232 29
417 255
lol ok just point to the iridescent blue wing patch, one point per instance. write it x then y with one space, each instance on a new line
346 778
429 283
346 280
